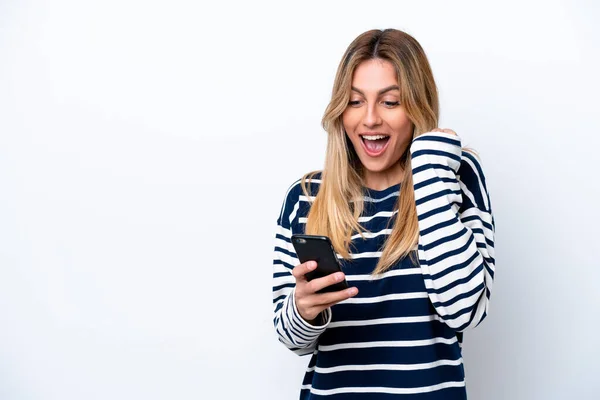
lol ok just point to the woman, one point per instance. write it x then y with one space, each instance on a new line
408 211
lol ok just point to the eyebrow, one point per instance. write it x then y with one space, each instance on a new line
382 91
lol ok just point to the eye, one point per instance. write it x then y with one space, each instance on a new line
391 104
354 103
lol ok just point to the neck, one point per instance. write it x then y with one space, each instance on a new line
380 180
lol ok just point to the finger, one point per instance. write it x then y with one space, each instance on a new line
450 131
302 269
436 130
317 284
328 299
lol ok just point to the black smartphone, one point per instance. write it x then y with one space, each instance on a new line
319 249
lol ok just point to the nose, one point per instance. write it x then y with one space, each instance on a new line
371 117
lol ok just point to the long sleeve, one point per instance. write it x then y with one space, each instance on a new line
292 330
456 229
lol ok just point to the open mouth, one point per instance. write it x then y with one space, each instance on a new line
374 144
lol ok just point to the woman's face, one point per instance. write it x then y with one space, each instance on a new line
375 121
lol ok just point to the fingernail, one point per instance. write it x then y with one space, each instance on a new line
311 264
352 291
339 276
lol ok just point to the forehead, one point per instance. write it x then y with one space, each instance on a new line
374 74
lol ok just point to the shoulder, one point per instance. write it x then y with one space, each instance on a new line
472 181
295 193
311 181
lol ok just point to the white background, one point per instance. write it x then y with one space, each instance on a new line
145 149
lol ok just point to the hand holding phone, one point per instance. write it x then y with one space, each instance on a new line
320 283
319 249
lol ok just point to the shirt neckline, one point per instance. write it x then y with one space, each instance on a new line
378 194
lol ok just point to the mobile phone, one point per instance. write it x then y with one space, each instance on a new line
319 248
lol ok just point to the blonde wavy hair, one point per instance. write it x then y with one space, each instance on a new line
340 198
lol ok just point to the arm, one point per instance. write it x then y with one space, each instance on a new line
456 229
292 330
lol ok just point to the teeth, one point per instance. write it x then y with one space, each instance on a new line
373 137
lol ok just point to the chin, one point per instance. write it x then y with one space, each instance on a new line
376 167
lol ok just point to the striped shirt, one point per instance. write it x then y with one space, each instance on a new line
400 337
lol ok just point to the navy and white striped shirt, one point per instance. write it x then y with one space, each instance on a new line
400 336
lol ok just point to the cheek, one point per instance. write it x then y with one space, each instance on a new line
403 125
349 121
